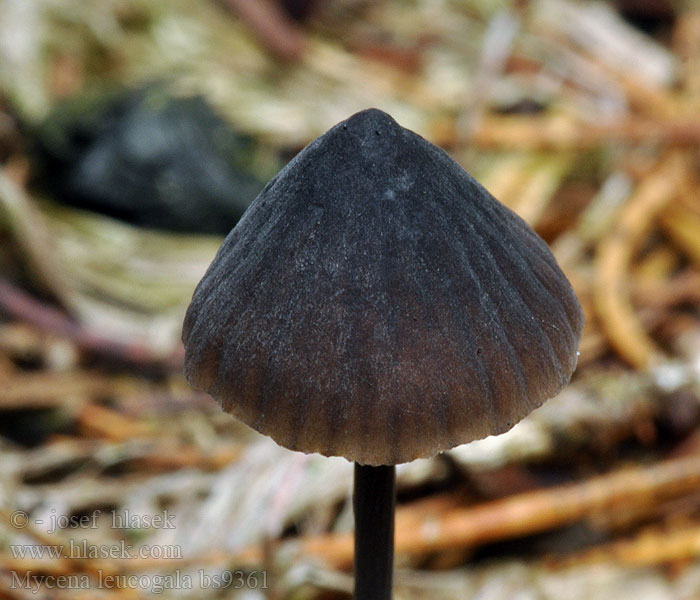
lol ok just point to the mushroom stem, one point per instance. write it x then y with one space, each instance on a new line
374 499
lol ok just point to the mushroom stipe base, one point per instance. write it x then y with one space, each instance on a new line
374 499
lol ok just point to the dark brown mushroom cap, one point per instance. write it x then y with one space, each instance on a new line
376 302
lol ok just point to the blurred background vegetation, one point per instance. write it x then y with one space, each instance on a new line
133 134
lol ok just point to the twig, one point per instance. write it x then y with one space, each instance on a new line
614 254
521 514
20 305
100 421
560 133
683 226
651 547
47 389
271 26
684 287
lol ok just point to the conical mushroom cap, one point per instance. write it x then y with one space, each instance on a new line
376 302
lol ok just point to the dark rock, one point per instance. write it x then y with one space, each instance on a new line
150 159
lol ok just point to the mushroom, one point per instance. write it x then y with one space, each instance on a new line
376 302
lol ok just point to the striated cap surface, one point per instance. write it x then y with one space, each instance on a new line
376 302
